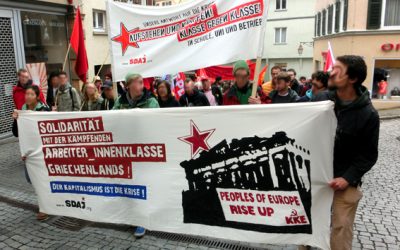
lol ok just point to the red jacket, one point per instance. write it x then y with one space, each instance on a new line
19 96
230 97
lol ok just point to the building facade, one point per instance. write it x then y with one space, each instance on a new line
369 28
33 36
289 25
96 33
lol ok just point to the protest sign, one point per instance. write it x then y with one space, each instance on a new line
155 41
198 171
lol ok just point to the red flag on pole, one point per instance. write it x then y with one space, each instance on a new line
262 75
77 42
330 59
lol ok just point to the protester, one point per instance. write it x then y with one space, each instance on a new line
282 92
19 89
92 99
108 77
269 86
52 88
67 97
192 96
356 144
120 85
212 92
294 84
136 96
319 85
32 102
240 92
108 95
226 85
303 80
218 82
165 97
382 86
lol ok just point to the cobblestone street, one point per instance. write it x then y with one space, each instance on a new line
377 223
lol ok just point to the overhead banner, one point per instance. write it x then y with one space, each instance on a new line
249 173
155 41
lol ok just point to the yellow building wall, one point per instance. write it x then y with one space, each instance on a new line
367 46
357 12
97 45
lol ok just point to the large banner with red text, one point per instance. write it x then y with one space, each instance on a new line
155 41
248 173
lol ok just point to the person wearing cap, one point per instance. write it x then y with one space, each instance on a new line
136 96
240 92
97 81
108 95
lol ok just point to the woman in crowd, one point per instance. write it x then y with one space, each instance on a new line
33 103
165 97
92 100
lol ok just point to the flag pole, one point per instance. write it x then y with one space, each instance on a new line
66 56
256 76
101 66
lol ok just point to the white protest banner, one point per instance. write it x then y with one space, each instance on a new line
200 171
155 41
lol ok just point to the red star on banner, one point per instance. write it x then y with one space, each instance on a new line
197 139
123 38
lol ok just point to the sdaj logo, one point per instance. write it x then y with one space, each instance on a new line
76 204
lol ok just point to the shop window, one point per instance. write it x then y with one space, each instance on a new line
280 4
280 35
45 41
99 21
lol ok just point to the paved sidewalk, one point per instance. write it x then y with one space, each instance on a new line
377 224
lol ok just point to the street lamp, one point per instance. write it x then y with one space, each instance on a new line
300 49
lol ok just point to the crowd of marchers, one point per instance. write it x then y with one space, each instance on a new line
356 140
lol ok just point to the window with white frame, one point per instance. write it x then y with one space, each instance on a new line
391 13
280 4
280 35
99 21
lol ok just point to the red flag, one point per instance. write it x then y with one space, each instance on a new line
261 76
178 87
77 42
330 59
223 71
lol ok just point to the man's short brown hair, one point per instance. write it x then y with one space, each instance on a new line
21 71
276 67
284 76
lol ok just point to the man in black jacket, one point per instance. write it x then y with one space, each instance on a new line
192 96
356 144
294 84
